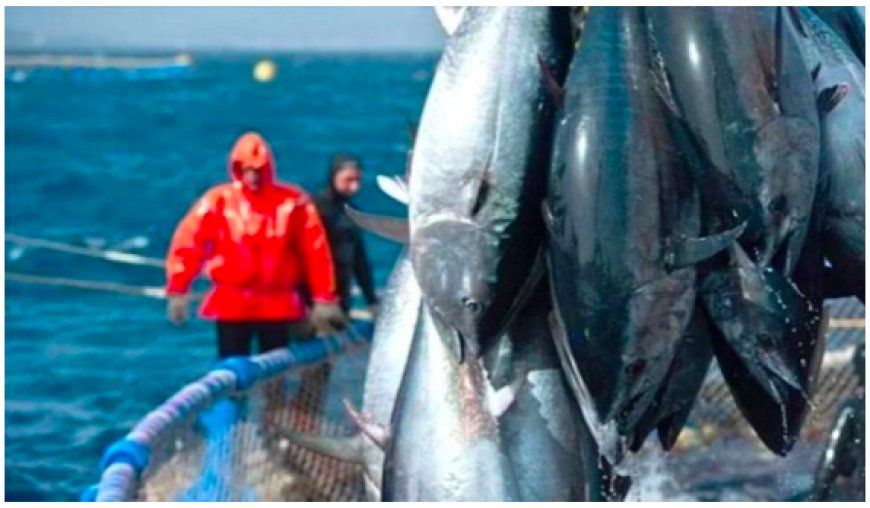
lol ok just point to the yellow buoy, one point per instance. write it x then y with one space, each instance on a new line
265 71
183 59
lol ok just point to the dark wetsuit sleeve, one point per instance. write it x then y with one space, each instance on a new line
836 459
362 270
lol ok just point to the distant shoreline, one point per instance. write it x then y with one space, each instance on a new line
116 52
117 60
68 61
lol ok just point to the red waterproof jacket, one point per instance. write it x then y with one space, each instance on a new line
257 247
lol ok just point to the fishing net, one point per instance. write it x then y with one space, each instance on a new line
718 456
229 445
235 450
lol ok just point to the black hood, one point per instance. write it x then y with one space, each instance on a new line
337 162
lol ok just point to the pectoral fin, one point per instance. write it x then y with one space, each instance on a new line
552 227
685 252
830 97
391 228
501 400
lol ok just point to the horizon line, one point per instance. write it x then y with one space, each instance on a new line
172 50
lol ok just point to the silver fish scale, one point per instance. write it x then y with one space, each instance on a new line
391 342
445 444
468 130
559 419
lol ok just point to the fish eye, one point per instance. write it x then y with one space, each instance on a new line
778 205
635 368
472 305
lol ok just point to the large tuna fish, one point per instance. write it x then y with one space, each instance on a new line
479 168
444 442
391 343
739 84
735 78
839 82
623 216
552 453
803 345
765 340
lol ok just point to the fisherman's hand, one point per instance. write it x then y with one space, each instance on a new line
177 309
301 329
327 318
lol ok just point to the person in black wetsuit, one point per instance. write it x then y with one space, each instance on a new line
843 456
349 260
345 237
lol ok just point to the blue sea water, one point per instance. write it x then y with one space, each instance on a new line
115 159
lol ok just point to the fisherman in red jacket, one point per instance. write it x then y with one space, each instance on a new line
258 241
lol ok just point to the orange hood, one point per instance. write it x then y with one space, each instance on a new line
251 150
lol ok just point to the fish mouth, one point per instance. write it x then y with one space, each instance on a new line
459 343
466 346
628 412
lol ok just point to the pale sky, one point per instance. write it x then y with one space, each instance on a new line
328 28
